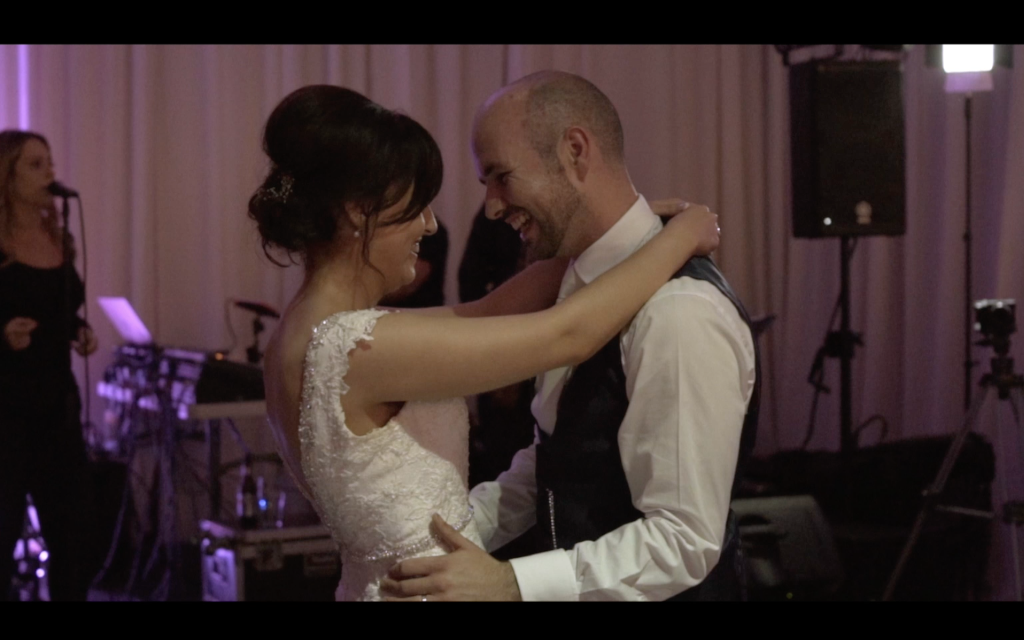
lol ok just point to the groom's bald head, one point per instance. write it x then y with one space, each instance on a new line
548 103
556 101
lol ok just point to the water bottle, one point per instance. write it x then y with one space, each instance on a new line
262 504
248 504
282 499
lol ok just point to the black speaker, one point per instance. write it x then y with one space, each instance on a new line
789 552
870 504
848 148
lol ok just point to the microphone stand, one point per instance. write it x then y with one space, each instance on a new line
68 267
253 354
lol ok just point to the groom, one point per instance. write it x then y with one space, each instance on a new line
636 454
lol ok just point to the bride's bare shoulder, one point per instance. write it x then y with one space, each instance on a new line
288 344
283 361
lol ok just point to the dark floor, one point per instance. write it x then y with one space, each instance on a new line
848 554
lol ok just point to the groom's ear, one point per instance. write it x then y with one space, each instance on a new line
576 153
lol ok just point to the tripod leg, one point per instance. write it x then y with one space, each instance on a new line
1015 402
936 488
1015 399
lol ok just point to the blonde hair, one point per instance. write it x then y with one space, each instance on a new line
12 142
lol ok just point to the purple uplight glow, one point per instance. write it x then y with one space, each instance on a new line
40 573
23 113
44 556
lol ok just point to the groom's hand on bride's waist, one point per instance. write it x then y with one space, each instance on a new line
466 573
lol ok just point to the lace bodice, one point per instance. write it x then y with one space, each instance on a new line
377 492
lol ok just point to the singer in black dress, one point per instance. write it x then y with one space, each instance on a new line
42 451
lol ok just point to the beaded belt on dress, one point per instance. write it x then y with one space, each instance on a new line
410 549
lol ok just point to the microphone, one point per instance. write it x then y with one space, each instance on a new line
58 189
258 308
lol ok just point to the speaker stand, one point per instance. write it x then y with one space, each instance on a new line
841 345
847 341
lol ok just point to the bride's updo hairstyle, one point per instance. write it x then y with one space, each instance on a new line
330 147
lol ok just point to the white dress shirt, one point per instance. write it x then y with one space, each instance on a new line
688 358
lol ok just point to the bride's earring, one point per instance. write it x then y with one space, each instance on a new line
356 234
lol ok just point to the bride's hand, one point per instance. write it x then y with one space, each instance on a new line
668 206
701 225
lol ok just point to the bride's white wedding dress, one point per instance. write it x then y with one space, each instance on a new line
377 492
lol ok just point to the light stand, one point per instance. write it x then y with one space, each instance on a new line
968 359
968 70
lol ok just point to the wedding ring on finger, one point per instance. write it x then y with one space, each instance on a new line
423 599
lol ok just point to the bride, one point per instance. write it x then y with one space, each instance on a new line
366 404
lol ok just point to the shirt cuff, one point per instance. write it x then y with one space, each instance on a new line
482 515
547 576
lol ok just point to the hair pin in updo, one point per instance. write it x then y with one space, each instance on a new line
280 195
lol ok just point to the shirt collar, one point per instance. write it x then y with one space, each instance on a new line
638 225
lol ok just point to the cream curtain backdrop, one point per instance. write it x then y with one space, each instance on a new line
163 142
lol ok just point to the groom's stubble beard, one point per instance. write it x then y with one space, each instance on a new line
555 220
